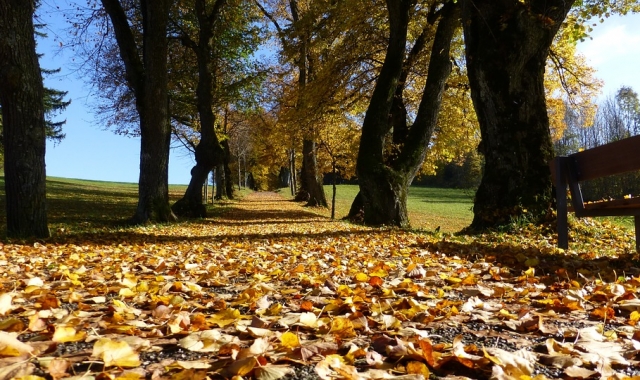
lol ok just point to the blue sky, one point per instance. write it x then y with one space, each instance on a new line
89 152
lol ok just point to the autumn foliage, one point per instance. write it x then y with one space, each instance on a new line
270 290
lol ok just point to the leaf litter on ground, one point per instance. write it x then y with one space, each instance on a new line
271 290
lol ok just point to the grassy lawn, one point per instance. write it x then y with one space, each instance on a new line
429 208
89 206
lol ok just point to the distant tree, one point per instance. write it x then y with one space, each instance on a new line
24 126
219 39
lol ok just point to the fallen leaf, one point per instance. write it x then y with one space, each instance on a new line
114 353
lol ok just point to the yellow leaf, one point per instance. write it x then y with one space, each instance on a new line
634 318
361 277
379 272
289 340
126 292
343 327
225 317
418 368
65 334
113 353
344 291
274 309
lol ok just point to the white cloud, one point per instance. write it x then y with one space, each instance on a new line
614 52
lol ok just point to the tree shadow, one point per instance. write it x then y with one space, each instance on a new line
551 267
131 237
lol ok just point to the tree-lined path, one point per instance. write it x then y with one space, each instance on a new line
268 289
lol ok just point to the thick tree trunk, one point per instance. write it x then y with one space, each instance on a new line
507 43
209 152
148 78
311 189
384 184
153 185
356 212
21 98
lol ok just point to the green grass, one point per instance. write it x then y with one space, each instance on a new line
429 208
78 206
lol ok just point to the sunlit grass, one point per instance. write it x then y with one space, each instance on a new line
429 208
81 206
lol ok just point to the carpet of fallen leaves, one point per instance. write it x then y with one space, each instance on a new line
270 290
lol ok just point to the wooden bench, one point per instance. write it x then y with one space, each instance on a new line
606 160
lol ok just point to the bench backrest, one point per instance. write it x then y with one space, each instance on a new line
614 158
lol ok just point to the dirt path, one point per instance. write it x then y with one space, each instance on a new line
269 214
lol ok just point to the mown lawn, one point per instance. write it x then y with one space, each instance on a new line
429 208
91 206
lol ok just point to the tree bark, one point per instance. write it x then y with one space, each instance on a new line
221 188
292 172
507 43
209 152
384 184
148 78
311 189
228 183
23 120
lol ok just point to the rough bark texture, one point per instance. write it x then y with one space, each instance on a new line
209 152
147 76
21 97
507 43
311 189
221 188
384 184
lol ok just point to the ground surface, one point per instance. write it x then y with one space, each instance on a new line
271 290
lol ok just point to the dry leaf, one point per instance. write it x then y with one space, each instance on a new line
114 353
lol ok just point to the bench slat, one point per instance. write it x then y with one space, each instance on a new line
615 203
609 159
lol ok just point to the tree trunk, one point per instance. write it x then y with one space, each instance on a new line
209 152
384 184
228 183
221 188
507 43
239 175
23 120
292 171
311 189
356 212
148 79
213 183
333 188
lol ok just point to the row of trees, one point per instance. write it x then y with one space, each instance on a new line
399 84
